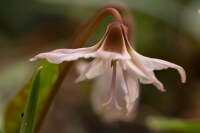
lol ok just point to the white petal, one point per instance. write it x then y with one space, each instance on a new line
100 94
111 55
147 65
60 55
95 68
144 76
77 55
129 105
50 56
133 70
157 64
131 88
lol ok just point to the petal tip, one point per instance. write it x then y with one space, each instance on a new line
32 59
182 74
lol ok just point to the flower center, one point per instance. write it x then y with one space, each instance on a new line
114 39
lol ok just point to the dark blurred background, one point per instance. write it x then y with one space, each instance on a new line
167 29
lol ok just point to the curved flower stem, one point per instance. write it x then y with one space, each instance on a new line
128 19
64 68
82 38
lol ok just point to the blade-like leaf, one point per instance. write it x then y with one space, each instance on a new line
174 125
15 108
28 119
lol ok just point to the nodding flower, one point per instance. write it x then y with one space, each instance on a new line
114 51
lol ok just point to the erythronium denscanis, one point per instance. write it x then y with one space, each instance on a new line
115 51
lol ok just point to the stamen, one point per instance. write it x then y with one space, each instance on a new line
113 100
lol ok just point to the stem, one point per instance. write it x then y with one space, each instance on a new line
127 19
82 38
64 68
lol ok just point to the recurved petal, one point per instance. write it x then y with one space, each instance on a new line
158 64
146 77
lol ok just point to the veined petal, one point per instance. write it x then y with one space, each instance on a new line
158 64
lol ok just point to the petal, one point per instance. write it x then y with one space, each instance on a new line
101 92
133 70
111 55
60 55
157 64
143 75
147 65
77 55
131 88
50 56
95 68
113 45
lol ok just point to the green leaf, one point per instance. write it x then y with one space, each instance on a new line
15 108
28 119
173 125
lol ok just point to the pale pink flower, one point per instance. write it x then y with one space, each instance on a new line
114 51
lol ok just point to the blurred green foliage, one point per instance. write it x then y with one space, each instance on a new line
29 115
15 108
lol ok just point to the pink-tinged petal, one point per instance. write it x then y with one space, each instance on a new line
143 76
114 43
111 55
133 70
157 64
50 56
95 68
129 105
78 55
113 96
101 92
82 50
131 88
147 65
60 55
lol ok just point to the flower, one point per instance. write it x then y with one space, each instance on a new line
114 51
100 91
